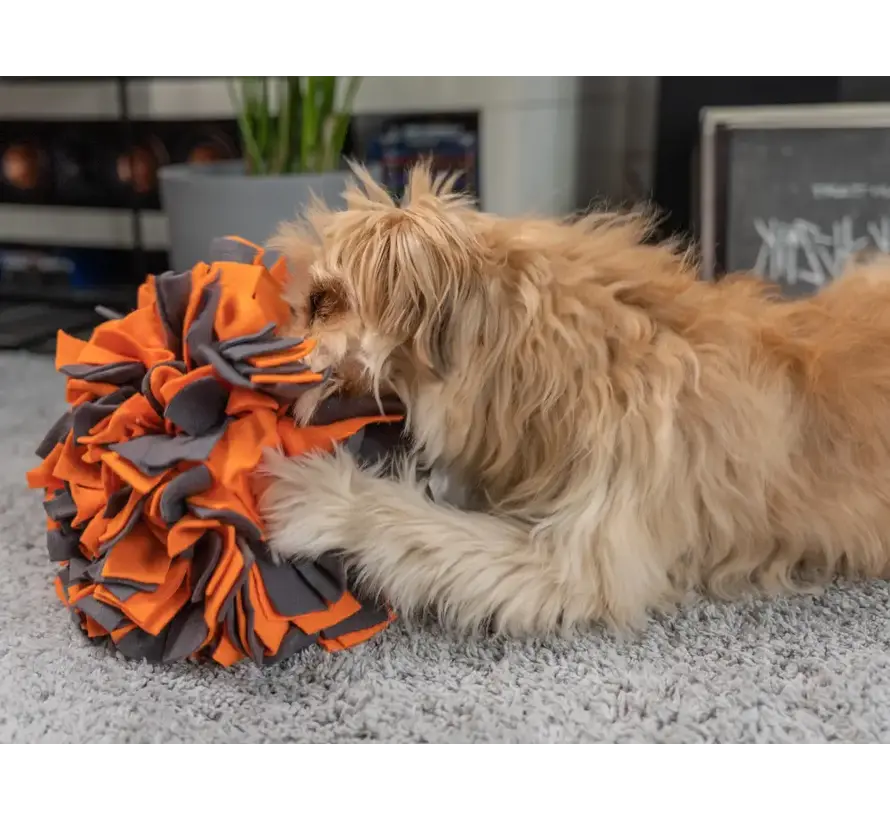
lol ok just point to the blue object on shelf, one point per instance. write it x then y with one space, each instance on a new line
450 146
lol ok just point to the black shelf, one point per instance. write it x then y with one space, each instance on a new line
123 297
31 315
72 302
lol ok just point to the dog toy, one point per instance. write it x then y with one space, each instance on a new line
150 478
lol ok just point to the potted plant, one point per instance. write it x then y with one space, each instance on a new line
293 130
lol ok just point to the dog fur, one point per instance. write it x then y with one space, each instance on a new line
628 434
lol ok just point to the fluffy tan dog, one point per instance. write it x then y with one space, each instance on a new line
627 433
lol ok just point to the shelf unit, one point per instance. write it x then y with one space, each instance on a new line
30 316
528 126
131 218
528 133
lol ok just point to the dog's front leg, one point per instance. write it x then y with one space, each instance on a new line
472 569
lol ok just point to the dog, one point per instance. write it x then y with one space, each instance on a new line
621 434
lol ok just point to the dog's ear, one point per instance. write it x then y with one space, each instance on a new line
420 268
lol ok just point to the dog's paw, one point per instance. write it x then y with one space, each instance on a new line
310 505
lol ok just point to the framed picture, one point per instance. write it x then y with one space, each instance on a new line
792 193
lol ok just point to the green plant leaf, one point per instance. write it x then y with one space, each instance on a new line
255 161
295 154
263 115
309 130
337 137
278 116
326 94
305 134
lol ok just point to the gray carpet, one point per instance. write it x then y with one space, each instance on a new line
801 670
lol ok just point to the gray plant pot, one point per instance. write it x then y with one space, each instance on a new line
203 202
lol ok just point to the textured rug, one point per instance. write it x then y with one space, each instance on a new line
808 669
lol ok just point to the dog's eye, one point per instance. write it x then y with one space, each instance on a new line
316 302
327 301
